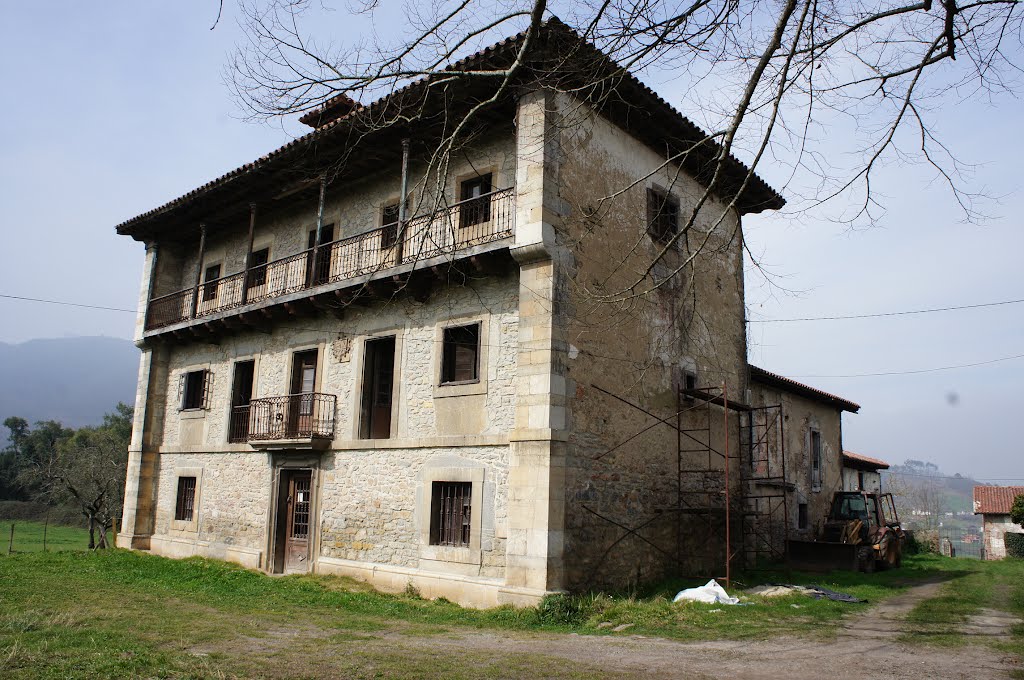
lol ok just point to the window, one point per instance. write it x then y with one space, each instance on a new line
816 474
389 220
211 274
258 267
860 481
662 215
194 389
476 203
801 514
378 384
321 272
184 507
241 395
450 513
460 354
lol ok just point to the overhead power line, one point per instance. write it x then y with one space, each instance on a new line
884 314
68 304
915 371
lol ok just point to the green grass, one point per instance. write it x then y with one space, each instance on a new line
124 614
28 536
997 585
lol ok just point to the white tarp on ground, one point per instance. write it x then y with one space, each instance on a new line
710 592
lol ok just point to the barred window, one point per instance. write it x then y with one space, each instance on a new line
184 508
450 504
194 390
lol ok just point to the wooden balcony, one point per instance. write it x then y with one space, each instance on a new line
445 233
302 421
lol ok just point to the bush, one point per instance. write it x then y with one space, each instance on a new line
565 610
1017 510
922 542
1014 544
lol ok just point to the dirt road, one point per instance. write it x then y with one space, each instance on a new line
864 647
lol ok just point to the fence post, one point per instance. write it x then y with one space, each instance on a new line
46 525
10 544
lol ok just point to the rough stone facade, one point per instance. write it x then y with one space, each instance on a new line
595 441
994 528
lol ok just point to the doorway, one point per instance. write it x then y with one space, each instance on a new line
294 522
300 412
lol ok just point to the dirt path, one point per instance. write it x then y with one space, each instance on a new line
864 647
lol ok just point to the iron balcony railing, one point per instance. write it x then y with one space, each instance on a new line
309 416
465 224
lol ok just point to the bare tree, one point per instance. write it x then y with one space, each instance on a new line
87 469
772 81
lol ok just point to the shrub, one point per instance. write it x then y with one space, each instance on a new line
566 610
1017 510
922 541
1014 545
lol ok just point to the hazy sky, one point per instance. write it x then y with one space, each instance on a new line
114 108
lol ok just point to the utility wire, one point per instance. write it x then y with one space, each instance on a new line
915 371
69 304
884 314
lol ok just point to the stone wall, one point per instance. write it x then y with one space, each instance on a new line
995 526
635 330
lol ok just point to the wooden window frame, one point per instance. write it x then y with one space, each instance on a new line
258 270
817 462
662 215
449 359
210 287
194 388
451 513
191 524
469 214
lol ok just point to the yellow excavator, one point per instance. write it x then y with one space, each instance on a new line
862 533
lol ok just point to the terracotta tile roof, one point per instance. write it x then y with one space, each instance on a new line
866 460
760 375
758 195
995 500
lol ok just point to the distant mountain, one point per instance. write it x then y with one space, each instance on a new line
71 380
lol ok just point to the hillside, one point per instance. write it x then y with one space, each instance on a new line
71 380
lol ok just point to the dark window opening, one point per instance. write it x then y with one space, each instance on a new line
801 514
378 387
475 201
322 269
241 395
860 481
460 354
185 505
450 504
194 388
210 277
389 220
662 216
258 267
816 475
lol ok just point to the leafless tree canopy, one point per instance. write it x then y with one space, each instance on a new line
829 89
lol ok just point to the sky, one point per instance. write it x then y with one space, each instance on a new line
114 108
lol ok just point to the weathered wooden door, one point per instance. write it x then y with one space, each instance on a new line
297 531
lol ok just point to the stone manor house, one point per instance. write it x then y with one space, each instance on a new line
475 377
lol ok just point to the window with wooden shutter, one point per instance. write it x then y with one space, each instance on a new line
194 389
210 284
258 267
662 216
816 472
461 354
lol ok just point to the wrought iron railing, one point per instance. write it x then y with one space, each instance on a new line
465 224
309 415
238 427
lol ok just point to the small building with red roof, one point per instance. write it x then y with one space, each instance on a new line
993 504
862 473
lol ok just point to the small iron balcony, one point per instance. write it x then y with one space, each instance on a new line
303 419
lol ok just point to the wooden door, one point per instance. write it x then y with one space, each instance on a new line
297 527
303 384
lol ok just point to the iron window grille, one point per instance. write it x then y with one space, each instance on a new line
184 507
450 510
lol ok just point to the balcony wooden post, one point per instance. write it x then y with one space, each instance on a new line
403 202
199 269
312 275
248 253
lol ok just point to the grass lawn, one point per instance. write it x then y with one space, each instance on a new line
28 536
122 614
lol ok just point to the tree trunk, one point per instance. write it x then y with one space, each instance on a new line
92 532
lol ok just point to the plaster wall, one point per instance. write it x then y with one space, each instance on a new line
852 477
